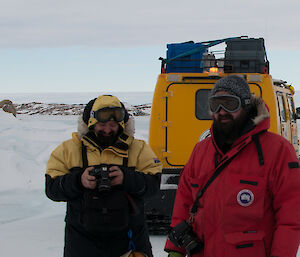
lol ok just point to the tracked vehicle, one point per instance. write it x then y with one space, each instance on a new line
180 115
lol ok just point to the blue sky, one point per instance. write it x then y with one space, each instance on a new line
80 69
88 46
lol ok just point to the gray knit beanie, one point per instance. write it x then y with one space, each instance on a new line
234 85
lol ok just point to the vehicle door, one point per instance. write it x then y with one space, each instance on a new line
187 117
293 121
284 125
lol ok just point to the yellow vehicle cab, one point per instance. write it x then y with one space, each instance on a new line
180 115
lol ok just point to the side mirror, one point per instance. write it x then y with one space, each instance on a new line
298 113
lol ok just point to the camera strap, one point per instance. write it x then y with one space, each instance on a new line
221 166
84 156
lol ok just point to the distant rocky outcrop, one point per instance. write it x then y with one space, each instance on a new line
8 106
34 108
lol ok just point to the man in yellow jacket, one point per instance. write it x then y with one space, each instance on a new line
102 173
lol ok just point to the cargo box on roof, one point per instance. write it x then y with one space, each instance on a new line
246 55
189 63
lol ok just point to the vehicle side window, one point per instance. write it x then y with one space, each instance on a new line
202 108
281 107
291 108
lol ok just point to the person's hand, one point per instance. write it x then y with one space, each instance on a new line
87 180
116 175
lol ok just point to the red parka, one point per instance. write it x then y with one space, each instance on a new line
252 209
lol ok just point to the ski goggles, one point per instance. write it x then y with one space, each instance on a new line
109 113
229 103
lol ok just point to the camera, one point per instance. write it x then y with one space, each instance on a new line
103 180
182 235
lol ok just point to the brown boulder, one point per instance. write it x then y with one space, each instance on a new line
8 106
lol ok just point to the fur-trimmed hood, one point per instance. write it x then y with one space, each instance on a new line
262 111
129 129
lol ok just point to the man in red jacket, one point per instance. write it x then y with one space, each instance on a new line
251 208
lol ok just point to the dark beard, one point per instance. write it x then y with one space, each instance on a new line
106 141
226 133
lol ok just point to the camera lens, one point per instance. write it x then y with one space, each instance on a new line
104 180
191 244
183 235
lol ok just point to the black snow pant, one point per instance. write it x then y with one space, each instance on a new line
79 244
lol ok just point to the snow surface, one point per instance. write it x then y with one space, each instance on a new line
31 225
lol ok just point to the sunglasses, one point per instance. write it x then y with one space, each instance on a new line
229 103
109 113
